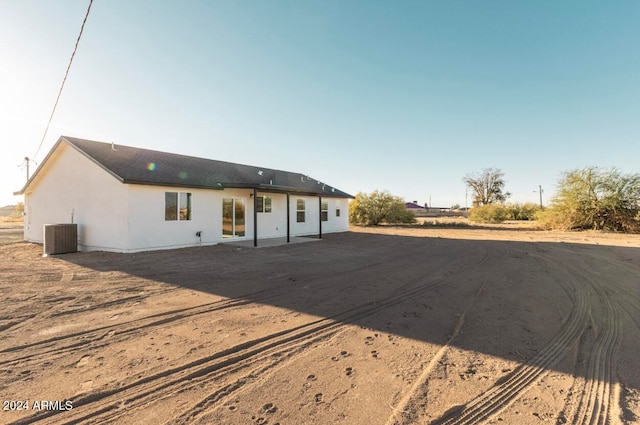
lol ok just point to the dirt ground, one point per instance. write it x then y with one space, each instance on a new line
10 230
375 326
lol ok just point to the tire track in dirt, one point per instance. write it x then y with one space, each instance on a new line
256 296
44 308
263 357
105 335
63 305
97 337
240 357
402 295
627 299
629 303
598 394
597 397
409 399
144 293
68 304
512 386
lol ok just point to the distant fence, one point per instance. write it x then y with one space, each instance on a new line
439 213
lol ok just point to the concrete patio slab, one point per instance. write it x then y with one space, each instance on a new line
265 243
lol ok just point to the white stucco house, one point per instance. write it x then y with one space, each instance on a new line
127 199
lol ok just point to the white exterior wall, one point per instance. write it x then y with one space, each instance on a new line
310 225
273 224
70 185
312 216
149 230
336 224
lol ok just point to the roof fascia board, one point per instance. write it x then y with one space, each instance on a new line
269 189
297 191
190 186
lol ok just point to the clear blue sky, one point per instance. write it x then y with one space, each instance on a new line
407 96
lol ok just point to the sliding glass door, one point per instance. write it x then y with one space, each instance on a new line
233 218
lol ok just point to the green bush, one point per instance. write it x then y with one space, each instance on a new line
490 213
526 211
379 207
598 199
551 219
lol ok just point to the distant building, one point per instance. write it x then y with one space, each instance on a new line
414 206
427 211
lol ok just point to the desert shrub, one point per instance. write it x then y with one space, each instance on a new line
379 207
551 219
526 211
592 198
398 213
490 213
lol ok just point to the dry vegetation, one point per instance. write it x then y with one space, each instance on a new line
11 222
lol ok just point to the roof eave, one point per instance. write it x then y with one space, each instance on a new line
187 185
259 186
293 189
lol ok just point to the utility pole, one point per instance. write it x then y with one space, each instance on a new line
540 187
26 164
540 190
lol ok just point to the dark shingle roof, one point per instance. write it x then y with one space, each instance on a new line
413 206
143 166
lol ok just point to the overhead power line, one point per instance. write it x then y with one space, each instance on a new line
64 80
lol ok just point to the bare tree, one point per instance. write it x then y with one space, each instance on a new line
487 186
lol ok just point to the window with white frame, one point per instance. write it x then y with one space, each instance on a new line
324 211
300 210
264 204
177 206
337 212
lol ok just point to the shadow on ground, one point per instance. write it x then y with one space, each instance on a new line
518 296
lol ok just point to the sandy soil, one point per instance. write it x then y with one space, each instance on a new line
375 326
11 230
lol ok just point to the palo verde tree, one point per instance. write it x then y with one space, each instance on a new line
378 207
594 198
487 186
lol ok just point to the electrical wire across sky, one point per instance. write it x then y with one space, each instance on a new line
64 80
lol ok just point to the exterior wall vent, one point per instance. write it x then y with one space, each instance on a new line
60 238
